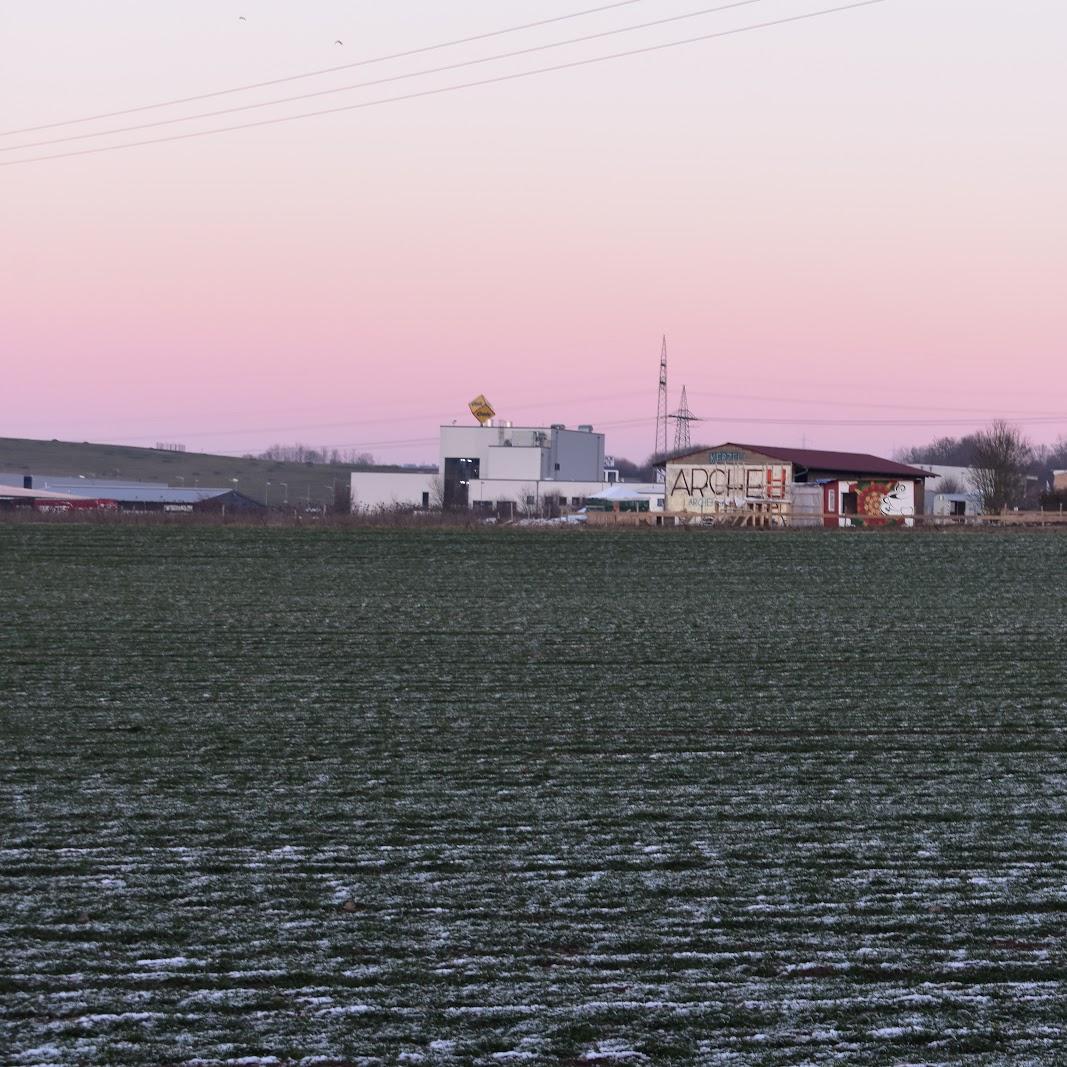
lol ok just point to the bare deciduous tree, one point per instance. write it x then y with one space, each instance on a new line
528 505
1000 461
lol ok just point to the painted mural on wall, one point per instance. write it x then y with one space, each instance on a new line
883 503
727 484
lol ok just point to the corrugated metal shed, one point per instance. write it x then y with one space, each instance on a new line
130 492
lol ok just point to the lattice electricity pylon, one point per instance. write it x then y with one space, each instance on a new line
682 418
662 418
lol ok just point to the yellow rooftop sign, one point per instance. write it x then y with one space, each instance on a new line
481 409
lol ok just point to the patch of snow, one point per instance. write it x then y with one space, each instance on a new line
613 1051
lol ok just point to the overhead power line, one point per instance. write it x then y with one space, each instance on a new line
743 420
1039 420
977 414
891 406
440 90
407 76
325 70
739 420
441 417
318 427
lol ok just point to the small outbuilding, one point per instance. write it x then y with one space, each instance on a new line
952 492
627 496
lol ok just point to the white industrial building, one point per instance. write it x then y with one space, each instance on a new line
386 490
951 491
495 467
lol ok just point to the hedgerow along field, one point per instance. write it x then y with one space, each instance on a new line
280 796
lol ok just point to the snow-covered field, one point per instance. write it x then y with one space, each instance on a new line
274 797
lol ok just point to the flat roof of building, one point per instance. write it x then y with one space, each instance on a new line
582 427
16 492
108 489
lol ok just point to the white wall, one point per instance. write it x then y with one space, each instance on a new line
941 503
963 476
374 489
515 463
517 490
380 489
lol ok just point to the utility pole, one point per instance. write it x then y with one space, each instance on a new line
661 412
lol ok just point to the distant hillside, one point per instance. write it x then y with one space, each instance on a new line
300 482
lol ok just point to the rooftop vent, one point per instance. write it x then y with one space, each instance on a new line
586 427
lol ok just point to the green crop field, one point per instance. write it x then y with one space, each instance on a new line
282 796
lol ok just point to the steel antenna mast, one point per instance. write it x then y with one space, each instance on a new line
682 418
662 418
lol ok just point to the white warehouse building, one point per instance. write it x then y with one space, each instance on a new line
495 466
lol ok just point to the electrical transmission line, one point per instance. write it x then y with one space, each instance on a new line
574 64
462 64
325 70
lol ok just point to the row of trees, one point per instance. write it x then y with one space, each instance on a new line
962 452
1004 464
301 453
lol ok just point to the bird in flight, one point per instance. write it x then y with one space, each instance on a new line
241 18
339 42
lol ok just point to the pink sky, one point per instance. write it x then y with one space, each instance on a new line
854 217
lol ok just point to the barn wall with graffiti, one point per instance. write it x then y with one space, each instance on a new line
870 502
738 485
729 482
